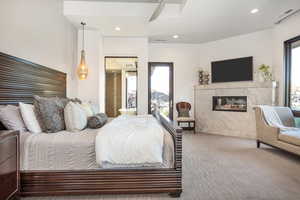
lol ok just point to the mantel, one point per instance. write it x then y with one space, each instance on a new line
235 85
226 121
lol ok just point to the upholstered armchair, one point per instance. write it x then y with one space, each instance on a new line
184 120
273 136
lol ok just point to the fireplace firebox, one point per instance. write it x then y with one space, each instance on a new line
230 103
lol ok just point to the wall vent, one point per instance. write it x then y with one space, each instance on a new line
287 14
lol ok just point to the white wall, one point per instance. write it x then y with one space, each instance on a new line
37 31
282 32
265 46
121 46
189 58
258 45
186 63
92 89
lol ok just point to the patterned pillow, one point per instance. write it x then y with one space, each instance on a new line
97 121
50 113
65 101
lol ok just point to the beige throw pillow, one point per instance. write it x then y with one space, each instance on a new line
75 117
88 109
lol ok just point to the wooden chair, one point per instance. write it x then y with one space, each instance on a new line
184 120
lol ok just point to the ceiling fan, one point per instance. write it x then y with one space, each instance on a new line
158 10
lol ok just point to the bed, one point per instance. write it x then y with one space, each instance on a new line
19 81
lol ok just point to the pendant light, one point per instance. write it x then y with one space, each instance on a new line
82 69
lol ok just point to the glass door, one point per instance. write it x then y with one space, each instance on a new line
295 81
160 93
292 84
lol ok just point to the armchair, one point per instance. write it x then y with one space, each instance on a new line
275 137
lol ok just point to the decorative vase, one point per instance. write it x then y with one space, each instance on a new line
206 78
201 75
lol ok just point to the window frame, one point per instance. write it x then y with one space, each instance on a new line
288 68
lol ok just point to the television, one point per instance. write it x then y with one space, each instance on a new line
240 69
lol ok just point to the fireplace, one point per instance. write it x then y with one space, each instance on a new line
230 103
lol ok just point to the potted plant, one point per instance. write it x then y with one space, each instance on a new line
265 72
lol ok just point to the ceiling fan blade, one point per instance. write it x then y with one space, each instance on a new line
158 10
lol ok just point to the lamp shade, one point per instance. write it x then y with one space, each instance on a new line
82 69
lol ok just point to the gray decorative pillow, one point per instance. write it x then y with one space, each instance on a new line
65 101
11 118
50 113
97 121
76 100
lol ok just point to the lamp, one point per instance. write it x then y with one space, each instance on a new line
82 69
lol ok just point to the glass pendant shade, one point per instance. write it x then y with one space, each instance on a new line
82 69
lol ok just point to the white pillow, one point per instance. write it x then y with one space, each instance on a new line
11 118
75 117
29 118
95 108
88 109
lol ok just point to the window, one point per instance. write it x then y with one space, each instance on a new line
292 63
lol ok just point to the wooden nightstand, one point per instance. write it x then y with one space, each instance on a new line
9 165
186 123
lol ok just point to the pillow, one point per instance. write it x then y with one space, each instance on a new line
29 118
97 121
88 109
50 113
95 108
75 117
76 100
11 118
65 101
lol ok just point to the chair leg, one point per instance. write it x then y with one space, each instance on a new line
257 143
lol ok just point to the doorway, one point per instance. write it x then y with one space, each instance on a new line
120 85
160 88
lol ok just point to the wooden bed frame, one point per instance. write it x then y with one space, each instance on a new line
19 81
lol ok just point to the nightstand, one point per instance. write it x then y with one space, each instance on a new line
9 164
186 123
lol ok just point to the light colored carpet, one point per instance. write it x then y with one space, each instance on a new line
225 168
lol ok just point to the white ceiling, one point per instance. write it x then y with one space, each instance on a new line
196 21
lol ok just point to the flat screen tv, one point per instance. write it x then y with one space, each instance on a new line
240 69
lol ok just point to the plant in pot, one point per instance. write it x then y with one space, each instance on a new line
265 72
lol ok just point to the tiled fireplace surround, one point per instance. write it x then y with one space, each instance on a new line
225 122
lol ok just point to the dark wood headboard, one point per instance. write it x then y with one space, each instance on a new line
21 79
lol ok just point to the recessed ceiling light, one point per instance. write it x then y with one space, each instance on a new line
255 10
175 36
117 28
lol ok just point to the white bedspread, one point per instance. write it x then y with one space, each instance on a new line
130 140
